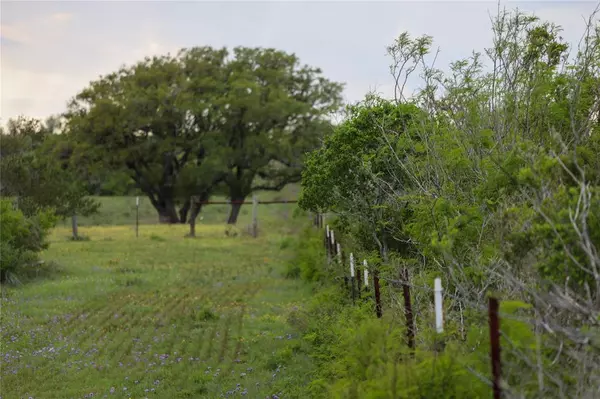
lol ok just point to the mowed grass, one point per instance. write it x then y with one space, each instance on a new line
158 316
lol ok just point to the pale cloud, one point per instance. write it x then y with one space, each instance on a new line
30 31
51 50
33 94
51 61
17 34
61 17
38 93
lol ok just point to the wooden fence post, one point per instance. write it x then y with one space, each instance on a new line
366 274
328 244
254 216
408 312
340 262
137 216
378 309
495 346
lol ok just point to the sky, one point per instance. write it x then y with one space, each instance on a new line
51 50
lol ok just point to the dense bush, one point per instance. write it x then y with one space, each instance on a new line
360 356
488 177
35 168
21 239
308 260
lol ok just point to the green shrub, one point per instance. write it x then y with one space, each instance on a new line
286 242
308 261
21 239
360 356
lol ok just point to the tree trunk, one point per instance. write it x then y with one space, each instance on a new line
196 207
167 213
236 206
74 227
239 187
183 212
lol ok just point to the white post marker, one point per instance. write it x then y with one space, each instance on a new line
332 237
137 201
339 249
439 319
327 231
366 273
351 265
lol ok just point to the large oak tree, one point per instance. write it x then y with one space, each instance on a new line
183 125
153 120
276 111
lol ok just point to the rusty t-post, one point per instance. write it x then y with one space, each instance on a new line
377 290
358 277
495 347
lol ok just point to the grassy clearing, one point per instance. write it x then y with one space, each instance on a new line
158 316
121 210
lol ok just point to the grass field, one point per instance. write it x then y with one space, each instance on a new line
121 210
158 316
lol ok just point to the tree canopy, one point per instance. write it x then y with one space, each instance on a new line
489 178
37 175
182 125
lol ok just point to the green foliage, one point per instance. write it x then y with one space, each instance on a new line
205 314
33 172
275 112
184 125
360 356
424 183
342 176
22 238
112 183
307 262
489 180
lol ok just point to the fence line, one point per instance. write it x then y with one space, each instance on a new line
334 253
243 202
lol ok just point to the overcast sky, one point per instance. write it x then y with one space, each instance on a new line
51 49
